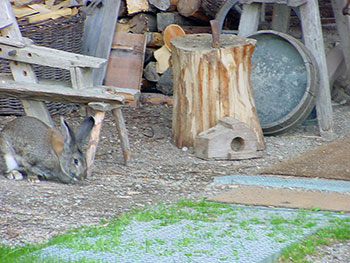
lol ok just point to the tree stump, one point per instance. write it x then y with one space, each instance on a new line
211 83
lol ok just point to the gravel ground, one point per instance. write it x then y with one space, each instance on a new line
337 252
34 212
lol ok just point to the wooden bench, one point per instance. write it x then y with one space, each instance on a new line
21 53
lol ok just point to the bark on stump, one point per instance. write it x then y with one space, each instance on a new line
211 83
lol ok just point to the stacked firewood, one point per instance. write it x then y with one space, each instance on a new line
159 20
162 20
35 11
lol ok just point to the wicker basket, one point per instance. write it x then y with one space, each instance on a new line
64 33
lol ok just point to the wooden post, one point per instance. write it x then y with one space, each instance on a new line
211 83
101 109
343 26
250 19
281 18
313 38
123 134
98 34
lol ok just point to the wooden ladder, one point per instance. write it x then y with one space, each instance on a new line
313 40
21 53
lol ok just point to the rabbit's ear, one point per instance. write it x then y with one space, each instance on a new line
56 139
85 130
68 135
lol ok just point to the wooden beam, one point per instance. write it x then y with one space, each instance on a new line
5 19
313 38
249 21
50 57
62 93
11 42
81 78
99 29
280 18
125 65
123 135
335 64
343 26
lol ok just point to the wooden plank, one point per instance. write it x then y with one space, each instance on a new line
125 65
65 3
335 64
280 18
284 197
81 78
343 26
123 134
63 93
98 34
313 38
23 72
50 57
11 42
5 19
249 21
23 11
40 8
51 15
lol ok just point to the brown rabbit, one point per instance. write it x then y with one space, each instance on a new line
31 147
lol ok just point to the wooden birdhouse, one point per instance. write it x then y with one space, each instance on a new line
229 139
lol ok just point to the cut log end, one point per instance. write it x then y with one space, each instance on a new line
197 42
170 32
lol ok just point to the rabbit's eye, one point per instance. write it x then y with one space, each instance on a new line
76 161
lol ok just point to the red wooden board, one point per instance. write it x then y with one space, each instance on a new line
125 65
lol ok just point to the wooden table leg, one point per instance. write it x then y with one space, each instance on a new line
94 139
123 134
249 21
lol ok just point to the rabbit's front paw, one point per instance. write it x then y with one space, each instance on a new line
33 178
14 175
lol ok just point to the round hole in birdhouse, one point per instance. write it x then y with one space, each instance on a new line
237 144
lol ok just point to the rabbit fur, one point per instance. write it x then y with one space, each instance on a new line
33 148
